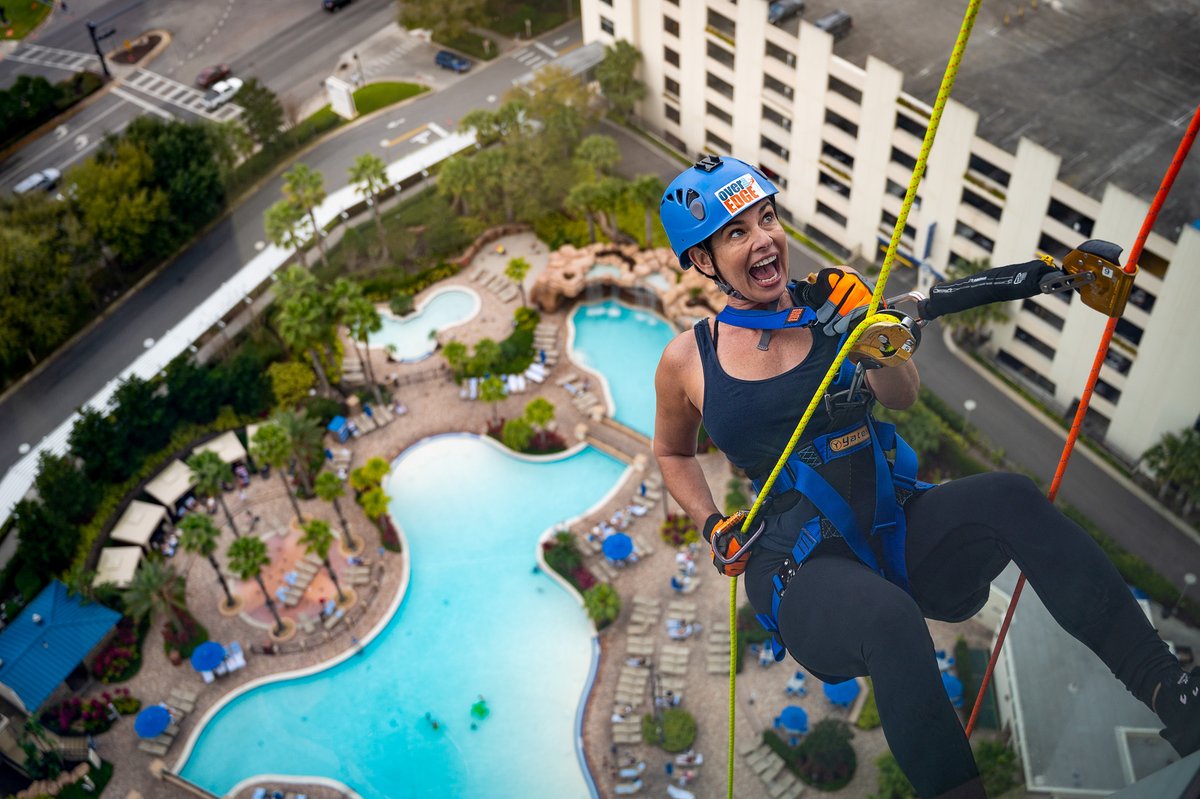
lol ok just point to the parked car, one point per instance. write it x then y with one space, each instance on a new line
448 60
46 180
836 23
210 75
783 9
221 93
334 5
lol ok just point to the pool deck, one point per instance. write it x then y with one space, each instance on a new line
434 407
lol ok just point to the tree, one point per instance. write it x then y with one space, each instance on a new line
194 392
563 105
262 114
826 753
515 270
456 180
599 154
247 557
609 197
317 539
270 446
603 604
617 75
369 475
282 223
374 502
361 319
62 486
486 356
446 20
290 382
304 187
539 412
516 434
369 174
303 318
329 487
455 353
892 782
303 435
142 416
78 581
967 326
46 541
199 535
492 391
156 589
94 440
1175 461
647 191
584 199
211 474
117 205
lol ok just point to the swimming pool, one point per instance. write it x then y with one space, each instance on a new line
410 337
624 345
476 620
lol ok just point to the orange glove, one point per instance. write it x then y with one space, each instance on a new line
840 299
730 546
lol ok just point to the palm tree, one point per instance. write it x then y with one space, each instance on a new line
369 174
610 196
456 180
329 488
362 319
304 187
303 317
515 271
247 556
491 391
304 441
211 474
374 502
270 446
647 191
539 413
282 225
156 588
78 581
599 153
317 539
199 535
584 199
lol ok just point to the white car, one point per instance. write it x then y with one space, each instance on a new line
46 180
221 93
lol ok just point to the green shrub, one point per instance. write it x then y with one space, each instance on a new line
323 409
401 304
826 757
892 782
563 555
675 733
868 717
603 604
558 230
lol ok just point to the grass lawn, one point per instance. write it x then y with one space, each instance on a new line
23 16
374 96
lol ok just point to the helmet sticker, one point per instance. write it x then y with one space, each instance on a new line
739 193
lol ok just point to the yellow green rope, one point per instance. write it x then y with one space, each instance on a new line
960 45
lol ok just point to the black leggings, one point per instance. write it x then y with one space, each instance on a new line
838 617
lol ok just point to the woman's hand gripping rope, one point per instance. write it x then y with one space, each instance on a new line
842 299
730 544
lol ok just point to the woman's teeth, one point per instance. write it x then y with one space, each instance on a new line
765 272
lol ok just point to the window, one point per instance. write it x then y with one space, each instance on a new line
975 201
673 2
778 149
713 111
910 125
889 221
1025 337
1053 247
824 209
904 159
958 261
716 142
970 233
1108 391
780 54
841 123
718 53
1142 299
1024 371
720 86
722 24
670 26
988 170
671 112
1129 331
676 142
606 25
670 56
833 183
1117 361
840 156
607 3
776 117
1078 222
671 86
1041 313
1154 264
778 86
845 90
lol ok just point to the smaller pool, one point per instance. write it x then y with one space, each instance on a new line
411 338
604 270
656 281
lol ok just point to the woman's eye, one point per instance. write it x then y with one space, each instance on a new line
768 219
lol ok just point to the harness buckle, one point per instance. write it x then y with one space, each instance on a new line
852 398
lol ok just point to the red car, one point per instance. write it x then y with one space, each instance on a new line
210 75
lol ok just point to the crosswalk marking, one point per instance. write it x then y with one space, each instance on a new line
42 56
178 94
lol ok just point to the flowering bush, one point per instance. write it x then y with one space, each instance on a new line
122 658
76 716
678 530
581 578
183 634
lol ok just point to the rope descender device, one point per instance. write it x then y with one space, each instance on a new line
889 343
730 545
1102 284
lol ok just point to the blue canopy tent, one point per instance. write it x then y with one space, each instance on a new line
842 694
954 688
617 546
338 426
792 722
208 656
152 721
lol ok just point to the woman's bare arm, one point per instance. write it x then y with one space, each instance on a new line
677 421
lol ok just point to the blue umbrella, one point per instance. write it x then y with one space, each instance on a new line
842 693
617 546
208 656
954 688
793 719
152 721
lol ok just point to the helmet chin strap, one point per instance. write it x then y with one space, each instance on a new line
715 277
728 289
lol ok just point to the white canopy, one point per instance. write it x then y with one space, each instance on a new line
171 484
227 445
117 565
138 522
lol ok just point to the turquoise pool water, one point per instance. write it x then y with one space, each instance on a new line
410 336
476 620
604 270
624 344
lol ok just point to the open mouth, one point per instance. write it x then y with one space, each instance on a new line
766 272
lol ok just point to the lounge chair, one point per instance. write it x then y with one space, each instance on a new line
152 747
473 388
795 686
237 658
632 772
675 792
627 788
333 620
259 793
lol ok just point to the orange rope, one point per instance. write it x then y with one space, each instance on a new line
1130 267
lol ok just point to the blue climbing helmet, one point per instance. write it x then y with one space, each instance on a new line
703 198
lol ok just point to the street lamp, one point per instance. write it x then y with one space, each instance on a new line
1189 580
968 406
360 78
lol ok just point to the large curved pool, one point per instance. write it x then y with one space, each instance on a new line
411 338
477 619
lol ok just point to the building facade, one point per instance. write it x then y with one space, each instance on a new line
841 141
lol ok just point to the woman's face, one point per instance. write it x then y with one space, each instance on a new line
751 254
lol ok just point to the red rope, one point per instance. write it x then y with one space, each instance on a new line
1130 267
